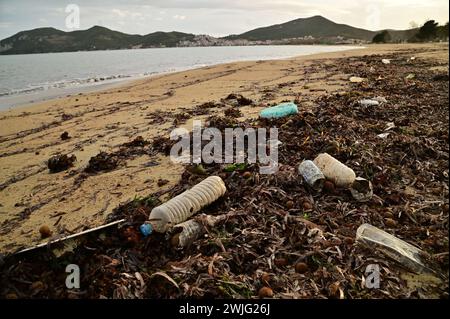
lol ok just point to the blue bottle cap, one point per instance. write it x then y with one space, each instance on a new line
146 229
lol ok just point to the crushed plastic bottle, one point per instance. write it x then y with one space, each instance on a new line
279 111
340 174
183 206
362 189
312 175
392 247
187 232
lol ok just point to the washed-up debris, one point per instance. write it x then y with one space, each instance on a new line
59 163
279 111
183 206
61 239
386 61
361 189
279 223
340 174
405 254
139 141
101 162
356 79
367 102
65 136
238 100
186 233
233 112
311 174
410 76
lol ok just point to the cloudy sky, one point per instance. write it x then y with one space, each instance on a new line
214 17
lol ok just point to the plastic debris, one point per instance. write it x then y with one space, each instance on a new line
392 247
312 175
340 174
410 76
367 102
279 111
183 206
386 61
187 232
362 189
356 79
146 229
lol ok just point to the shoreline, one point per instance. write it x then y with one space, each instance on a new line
103 121
9 102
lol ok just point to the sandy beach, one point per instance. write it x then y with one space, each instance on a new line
31 196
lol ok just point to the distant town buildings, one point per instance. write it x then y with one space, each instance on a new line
206 40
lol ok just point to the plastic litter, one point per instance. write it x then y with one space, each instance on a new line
312 175
356 79
187 232
392 247
367 102
386 61
279 111
146 229
362 189
183 206
340 174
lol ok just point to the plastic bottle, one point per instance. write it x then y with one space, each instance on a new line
279 111
183 206
312 175
340 174
361 189
186 233
399 250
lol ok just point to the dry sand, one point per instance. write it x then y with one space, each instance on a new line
101 121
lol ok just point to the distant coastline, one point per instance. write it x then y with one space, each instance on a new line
305 31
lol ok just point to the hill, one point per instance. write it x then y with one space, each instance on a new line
44 40
317 26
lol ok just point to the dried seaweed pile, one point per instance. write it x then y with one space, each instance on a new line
280 234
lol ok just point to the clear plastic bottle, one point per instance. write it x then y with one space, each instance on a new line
399 250
337 172
183 206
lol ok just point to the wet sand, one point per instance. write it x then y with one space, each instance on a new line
103 121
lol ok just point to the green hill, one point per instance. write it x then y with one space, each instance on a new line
44 40
317 26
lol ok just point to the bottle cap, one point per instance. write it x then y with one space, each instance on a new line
146 229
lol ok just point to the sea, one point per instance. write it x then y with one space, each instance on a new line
28 78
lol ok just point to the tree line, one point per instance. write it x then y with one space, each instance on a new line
430 31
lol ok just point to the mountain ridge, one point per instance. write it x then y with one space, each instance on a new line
317 29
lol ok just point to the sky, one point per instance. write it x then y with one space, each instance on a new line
213 17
